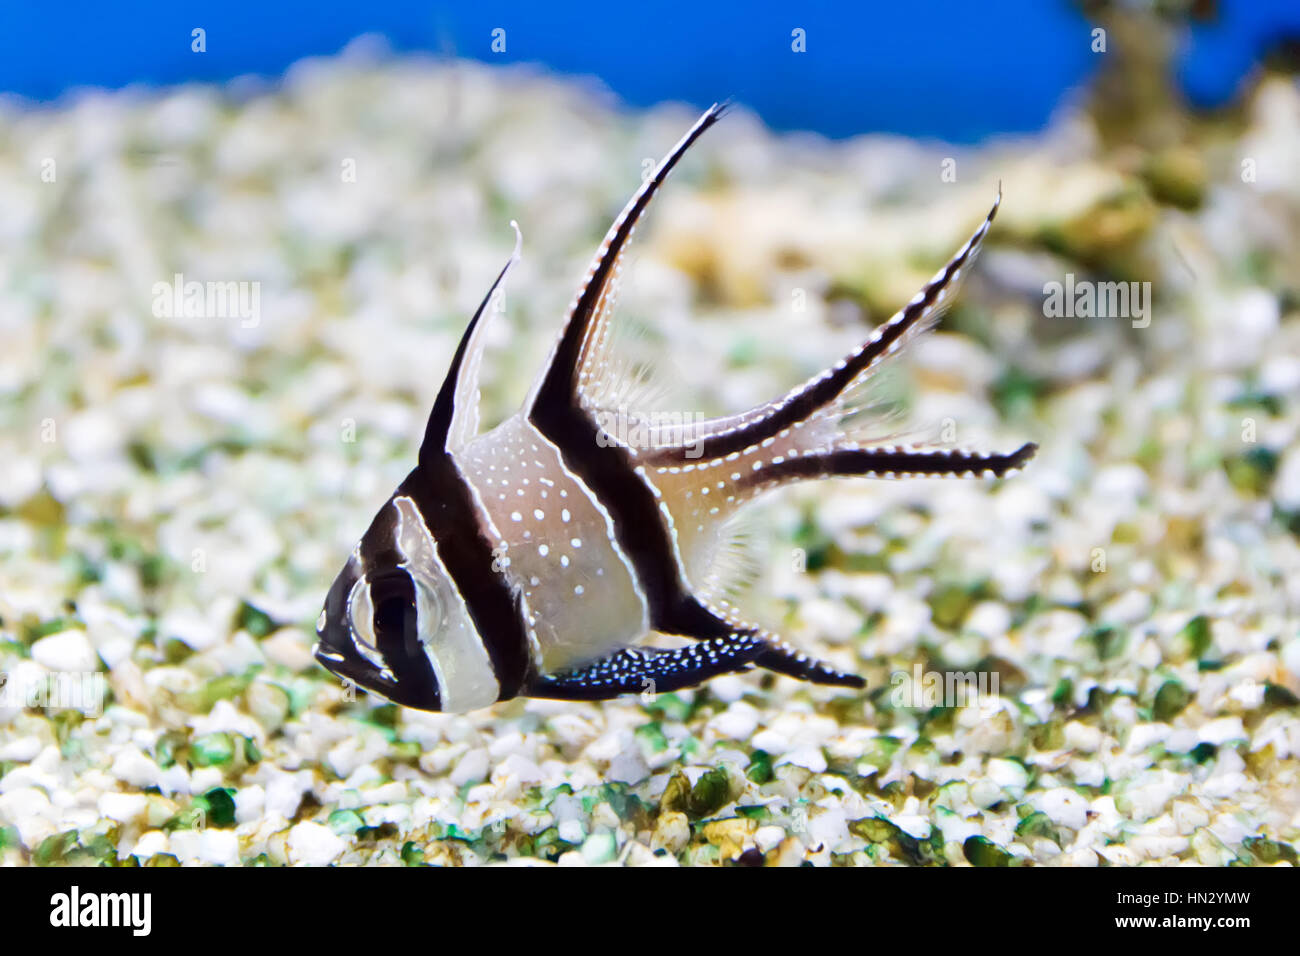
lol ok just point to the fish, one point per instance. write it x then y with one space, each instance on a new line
534 559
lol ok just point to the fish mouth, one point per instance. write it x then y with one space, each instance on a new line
361 673
420 695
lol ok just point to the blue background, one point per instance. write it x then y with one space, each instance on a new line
953 70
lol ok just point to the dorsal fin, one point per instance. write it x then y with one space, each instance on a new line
575 358
454 419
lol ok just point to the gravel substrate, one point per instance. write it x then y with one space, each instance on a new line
178 491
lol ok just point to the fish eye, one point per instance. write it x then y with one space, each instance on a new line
394 616
391 613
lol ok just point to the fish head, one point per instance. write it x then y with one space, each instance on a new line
395 624
375 630
384 619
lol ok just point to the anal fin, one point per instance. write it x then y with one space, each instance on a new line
651 670
781 658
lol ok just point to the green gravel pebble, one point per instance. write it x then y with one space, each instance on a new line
1170 700
760 767
218 804
1196 636
1038 824
651 738
345 822
983 852
255 621
672 707
53 850
1270 851
213 750
412 855
600 847
676 794
710 794
902 845
226 687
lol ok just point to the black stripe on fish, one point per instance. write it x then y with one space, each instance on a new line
395 624
447 506
445 502
558 413
408 676
639 527
560 384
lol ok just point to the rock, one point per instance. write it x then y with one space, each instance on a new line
737 722
600 847
765 838
473 766
1064 807
314 844
628 766
672 832
123 807
135 768
21 749
66 651
221 847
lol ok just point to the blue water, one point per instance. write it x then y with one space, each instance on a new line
953 70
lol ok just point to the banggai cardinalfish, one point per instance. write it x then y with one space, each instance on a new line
532 559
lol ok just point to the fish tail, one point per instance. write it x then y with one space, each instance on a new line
814 414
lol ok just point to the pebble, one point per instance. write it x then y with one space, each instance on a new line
123 807
628 766
767 837
221 847
1063 806
66 651
1219 732
151 843
314 844
21 749
135 768
471 767
737 722
672 832
1008 774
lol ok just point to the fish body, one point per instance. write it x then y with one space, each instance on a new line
532 559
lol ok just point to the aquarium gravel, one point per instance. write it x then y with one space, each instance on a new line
180 485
